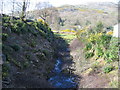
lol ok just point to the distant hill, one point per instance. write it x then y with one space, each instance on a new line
90 13
82 15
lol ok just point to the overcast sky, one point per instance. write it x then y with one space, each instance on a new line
72 2
56 3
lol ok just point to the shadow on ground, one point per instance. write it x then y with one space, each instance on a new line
64 64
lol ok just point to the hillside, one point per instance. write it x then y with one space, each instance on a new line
28 53
89 14
72 16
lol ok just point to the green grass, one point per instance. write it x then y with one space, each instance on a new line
67 36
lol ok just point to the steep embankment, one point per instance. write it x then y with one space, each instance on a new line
28 53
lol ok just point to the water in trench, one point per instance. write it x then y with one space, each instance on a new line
61 80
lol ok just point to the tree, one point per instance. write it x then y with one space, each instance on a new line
61 21
19 7
48 13
43 10
2 4
24 7
13 8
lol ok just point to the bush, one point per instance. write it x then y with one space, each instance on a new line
88 47
5 19
105 40
16 29
109 61
112 52
99 52
89 54
108 69
4 36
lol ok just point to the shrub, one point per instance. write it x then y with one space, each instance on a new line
5 19
112 52
99 52
4 36
16 29
5 24
105 40
89 54
108 69
88 47
109 61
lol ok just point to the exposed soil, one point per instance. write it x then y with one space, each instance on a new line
93 81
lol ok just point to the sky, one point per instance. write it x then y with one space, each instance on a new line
55 3
72 2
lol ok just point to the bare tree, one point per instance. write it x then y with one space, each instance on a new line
24 7
2 4
43 10
19 7
48 13
13 5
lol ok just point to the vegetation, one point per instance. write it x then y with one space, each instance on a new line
67 34
21 27
101 50
107 69
26 45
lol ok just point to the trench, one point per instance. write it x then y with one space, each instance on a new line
61 80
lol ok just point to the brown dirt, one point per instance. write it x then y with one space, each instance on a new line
76 44
93 81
